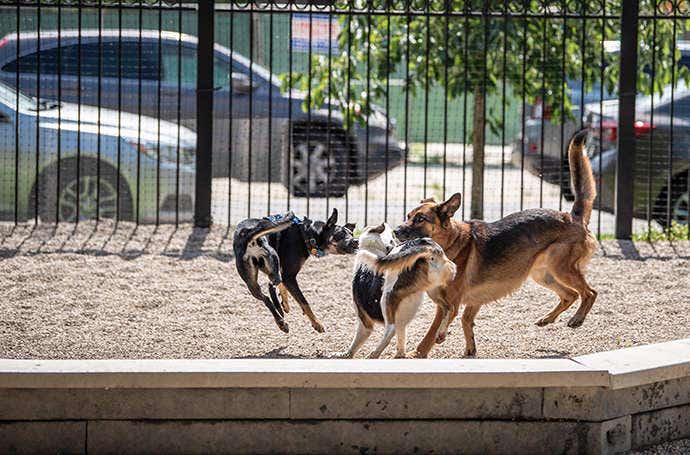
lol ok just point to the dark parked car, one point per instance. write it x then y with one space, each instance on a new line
130 63
552 165
661 169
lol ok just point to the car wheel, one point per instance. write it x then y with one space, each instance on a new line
679 208
317 169
92 200
679 203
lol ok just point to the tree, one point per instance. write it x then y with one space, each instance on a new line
530 45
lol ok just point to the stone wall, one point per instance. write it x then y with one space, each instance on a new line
601 403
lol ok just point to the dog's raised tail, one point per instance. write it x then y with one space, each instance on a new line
400 259
270 225
581 178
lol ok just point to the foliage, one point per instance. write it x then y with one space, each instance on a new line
479 52
676 232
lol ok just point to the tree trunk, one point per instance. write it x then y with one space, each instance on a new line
259 44
478 139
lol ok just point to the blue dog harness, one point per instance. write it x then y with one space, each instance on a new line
275 218
316 252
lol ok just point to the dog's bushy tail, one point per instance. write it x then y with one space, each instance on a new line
581 178
268 226
402 258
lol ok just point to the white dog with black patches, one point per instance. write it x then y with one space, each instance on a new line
389 283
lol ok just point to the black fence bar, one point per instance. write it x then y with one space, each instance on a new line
179 112
626 116
204 114
669 181
98 121
230 130
383 90
59 135
16 125
564 83
37 191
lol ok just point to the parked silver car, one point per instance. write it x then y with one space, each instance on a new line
154 73
75 161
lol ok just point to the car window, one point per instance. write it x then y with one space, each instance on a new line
71 60
129 53
30 63
183 63
178 67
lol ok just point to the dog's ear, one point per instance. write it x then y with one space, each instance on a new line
447 209
428 199
350 227
378 229
333 218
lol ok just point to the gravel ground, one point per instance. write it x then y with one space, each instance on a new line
100 292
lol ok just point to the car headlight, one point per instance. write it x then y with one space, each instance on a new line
166 152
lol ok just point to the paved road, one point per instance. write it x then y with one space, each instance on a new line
371 203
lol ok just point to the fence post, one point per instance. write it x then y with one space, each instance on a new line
204 114
626 119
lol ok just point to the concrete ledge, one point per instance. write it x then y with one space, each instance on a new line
354 436
661 426
642 364
279 373
502 403
97 404
598 403
42 437
601 403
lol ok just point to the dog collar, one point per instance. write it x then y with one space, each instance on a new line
317 252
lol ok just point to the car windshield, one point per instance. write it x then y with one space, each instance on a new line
8 96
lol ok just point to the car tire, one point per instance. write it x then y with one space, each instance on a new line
679 203
325 173
87 185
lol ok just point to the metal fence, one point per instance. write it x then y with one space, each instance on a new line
165 112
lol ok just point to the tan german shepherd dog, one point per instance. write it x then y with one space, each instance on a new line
494 259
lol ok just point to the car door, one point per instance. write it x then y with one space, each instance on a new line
179 79
238 88
178 83
230 112
130 72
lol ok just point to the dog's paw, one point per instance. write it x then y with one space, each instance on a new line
575 322
542 322
471 352
413 355
282 325
400 355
318 326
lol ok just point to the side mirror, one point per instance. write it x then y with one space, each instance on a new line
241 83
4 118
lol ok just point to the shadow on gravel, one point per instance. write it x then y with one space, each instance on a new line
643 251
276 353
552 354
129 241
125 240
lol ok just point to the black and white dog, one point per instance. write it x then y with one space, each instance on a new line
389 283
279 246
